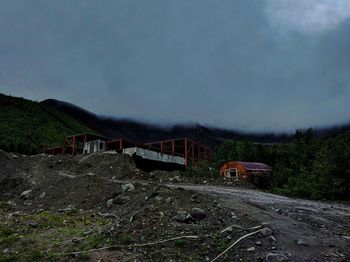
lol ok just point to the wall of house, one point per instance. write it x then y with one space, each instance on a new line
94 146
242 172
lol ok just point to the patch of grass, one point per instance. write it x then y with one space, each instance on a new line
95 241
8 235
195 258
180 242
9 239
219 243
5 206
6 231
54 231
29 255
125 239
83 257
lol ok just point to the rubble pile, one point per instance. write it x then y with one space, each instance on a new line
102 207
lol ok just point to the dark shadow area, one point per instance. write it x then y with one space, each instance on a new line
151 165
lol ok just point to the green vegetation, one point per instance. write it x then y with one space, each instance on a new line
125 239
26 126
38 236
180 242
317 168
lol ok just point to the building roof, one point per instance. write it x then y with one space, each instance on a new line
255 166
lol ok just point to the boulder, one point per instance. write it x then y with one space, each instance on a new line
183 217
198 213
26 194
6 251
251 249
177 179
128 187
33 224
109 202
265 232
121 200
301 242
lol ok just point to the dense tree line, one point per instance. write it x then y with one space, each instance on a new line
310 167
26 126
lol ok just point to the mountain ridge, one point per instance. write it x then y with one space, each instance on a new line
27 126
144 132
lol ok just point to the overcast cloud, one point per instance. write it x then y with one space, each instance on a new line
253 65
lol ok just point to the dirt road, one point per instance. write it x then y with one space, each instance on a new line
308 230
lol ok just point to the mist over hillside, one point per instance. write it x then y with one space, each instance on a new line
47 122
144 132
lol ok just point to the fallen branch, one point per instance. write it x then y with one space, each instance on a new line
240 227
235 243
127 246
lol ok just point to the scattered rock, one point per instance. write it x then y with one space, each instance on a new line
14 214
258 243
88 232
177 179
251 249
183 217
70 208
109 202
198 213
33 224
42 194
158 198
121 200
265 232
76 240
169 200
26 194
194 198
275 257
233 215
301 242
6 251
128 187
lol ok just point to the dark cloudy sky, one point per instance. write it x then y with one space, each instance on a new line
243 64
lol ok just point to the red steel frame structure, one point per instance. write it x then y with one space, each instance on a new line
119 144
191 150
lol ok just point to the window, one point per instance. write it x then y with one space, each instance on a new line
233 172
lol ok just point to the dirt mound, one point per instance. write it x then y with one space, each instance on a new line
4 158
63 179
101 206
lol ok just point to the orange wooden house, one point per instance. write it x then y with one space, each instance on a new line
248 171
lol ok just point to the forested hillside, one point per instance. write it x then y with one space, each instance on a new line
141 132
308 167
26 126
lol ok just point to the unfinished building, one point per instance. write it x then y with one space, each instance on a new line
164 154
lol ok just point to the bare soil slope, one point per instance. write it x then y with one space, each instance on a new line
101 206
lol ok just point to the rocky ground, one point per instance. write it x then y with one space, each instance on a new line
103 208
